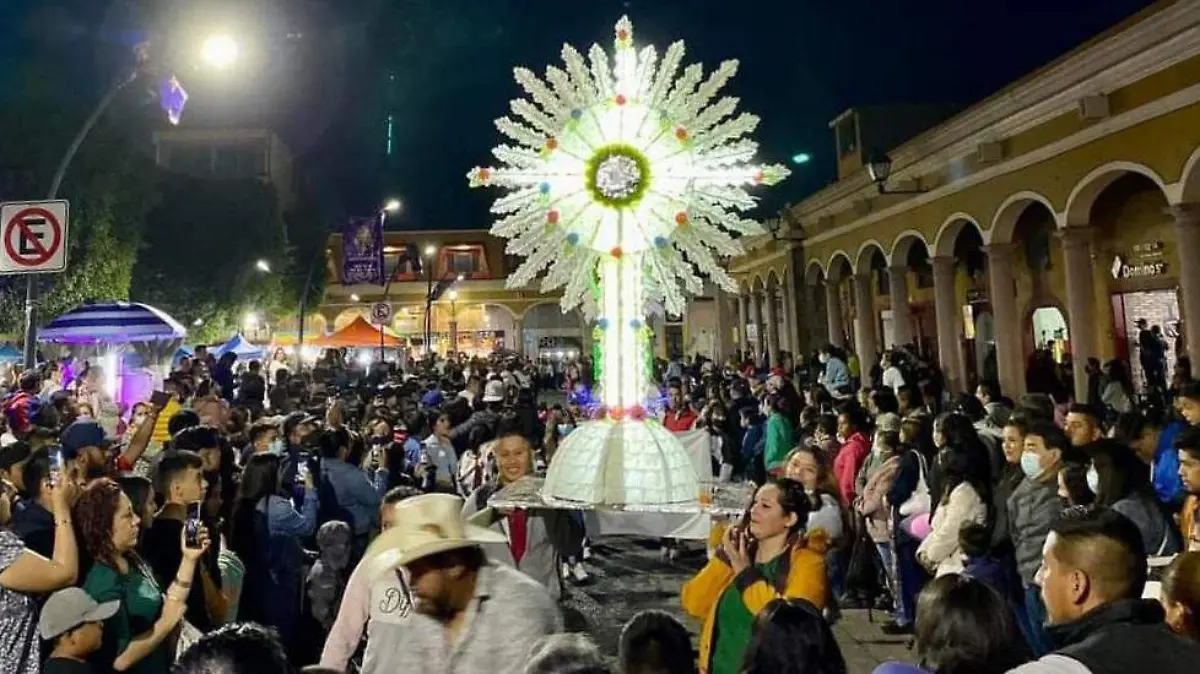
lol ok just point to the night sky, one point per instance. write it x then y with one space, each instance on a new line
324 81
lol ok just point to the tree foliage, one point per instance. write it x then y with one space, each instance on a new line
199 250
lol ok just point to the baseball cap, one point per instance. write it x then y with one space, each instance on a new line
291 421
494 392
84 433
71 607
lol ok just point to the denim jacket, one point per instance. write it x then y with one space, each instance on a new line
355 493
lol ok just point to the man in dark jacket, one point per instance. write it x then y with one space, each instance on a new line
1093 574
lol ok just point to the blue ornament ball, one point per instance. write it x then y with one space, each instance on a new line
660 241
602 323
636 324
573 238
576 113
545 188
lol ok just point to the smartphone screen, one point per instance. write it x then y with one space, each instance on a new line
56 466
302 471
191 526
159 399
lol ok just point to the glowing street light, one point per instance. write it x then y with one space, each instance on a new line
430 250
220 50
453 295
460 277
354 297
251 320
392 206
263 266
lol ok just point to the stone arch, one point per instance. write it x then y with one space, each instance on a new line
1083 196
947 236
840 266
535 305
862 261
904 243
1004 222
1189 180
774 278
814 272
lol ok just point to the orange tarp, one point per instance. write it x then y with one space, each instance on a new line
358 333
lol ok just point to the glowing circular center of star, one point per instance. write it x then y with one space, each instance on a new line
618 177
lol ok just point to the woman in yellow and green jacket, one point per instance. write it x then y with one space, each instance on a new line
766 557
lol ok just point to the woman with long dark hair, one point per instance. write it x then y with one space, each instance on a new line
767 556
1121 481
267 534
966 495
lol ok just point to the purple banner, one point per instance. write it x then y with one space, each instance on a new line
362 251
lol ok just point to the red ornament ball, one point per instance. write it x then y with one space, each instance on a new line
622 35
617 413
681 218
484 174
759 177
681 133
551 143
621 100
552 217
616 252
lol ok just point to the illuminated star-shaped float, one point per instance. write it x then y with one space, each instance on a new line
624 187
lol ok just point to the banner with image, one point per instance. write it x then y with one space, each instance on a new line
362 251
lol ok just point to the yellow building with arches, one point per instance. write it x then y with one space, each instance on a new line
1049 216
476 315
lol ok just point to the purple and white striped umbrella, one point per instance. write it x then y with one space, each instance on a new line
112 322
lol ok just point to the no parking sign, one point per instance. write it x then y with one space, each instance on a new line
35 237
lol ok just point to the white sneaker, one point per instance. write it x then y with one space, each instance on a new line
580 573
566 570
587 550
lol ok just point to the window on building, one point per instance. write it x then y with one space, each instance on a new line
674 338
190 159
468 260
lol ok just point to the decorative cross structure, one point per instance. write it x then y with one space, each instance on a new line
625 187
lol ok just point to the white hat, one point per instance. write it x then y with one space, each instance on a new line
426 525
494 392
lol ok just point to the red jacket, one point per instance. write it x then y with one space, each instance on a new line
849 460
678 422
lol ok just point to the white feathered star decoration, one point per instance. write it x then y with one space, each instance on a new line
632 157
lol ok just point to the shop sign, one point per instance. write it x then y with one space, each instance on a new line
1122 269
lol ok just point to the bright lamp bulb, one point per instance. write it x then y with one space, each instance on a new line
392 206
219 51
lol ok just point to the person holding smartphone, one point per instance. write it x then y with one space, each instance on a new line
768 556
183 487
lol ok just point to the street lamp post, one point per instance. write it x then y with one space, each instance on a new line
226 49
453 322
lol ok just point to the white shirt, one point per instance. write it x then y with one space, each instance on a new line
893 379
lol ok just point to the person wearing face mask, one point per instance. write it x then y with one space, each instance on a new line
1031 511
1121 481
264 438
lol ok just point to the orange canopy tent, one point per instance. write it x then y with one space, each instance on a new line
358 333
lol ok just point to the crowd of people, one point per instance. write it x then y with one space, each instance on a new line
251 519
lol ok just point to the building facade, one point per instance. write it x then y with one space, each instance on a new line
1046 219
229 154
475 315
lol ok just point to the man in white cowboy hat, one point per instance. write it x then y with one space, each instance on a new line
471 615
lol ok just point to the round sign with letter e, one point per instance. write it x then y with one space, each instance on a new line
381 313
35 237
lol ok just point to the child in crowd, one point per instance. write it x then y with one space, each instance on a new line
981 564
73 623
327 579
